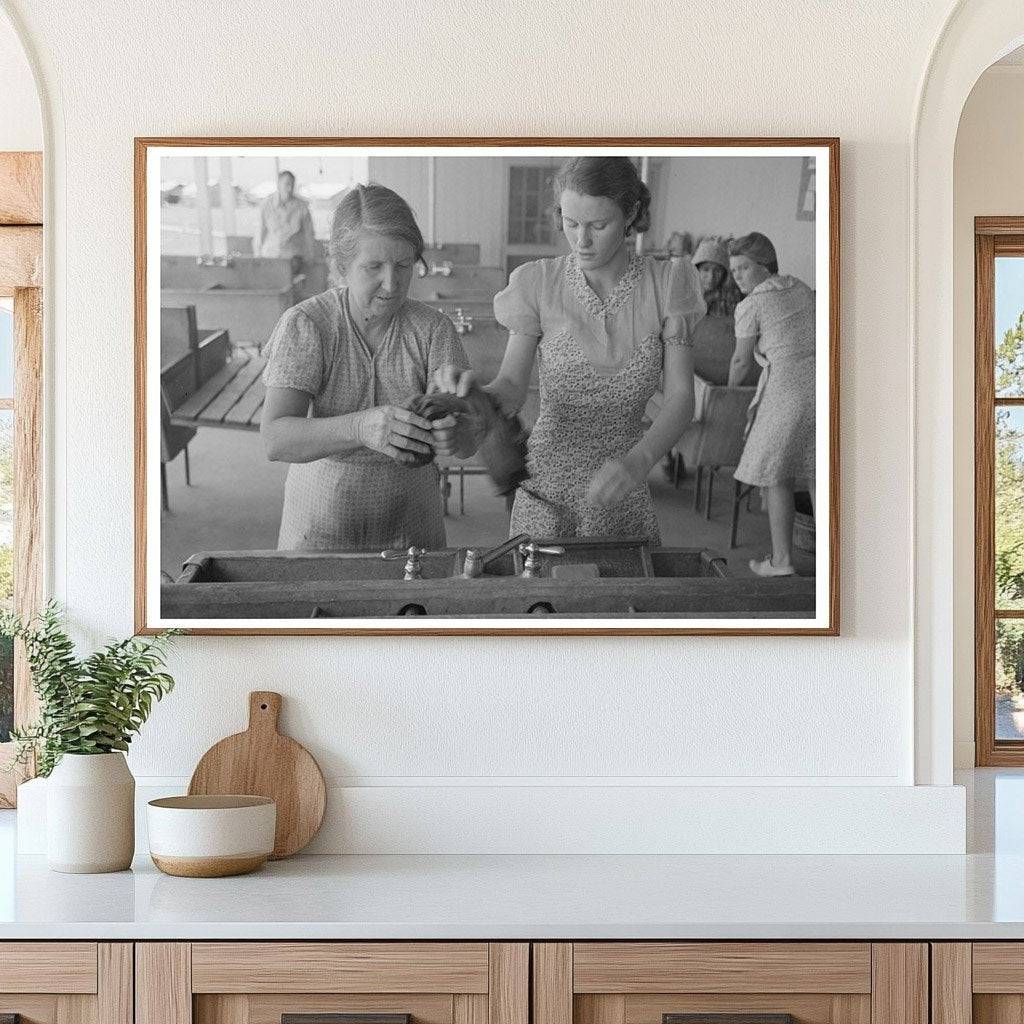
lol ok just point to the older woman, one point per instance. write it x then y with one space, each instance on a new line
341 368
606 325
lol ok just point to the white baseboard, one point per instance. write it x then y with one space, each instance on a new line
599 819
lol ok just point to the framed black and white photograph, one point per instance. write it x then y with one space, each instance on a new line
487 386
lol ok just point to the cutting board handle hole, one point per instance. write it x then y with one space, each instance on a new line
263 707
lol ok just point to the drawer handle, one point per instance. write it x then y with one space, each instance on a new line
342 1018
728 1018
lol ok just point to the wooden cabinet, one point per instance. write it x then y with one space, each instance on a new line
645 982
66 982
494 983
979 982
259 982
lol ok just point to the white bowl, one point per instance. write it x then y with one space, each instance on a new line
211 836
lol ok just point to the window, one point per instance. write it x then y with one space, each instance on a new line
21 366
530 206
6 510
999 490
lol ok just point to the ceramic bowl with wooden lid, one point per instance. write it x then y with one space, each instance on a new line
211 836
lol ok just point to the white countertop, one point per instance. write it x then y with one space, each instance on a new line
532 897
977 896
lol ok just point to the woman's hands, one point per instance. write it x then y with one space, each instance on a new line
448 439
452 380
397 433
456 381
615 478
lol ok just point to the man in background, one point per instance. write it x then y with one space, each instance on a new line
286 226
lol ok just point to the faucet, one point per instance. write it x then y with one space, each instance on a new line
463 324
532 565
413 565
442 269
214 261
477 560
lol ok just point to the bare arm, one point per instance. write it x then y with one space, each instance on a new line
512 384
676 412
742 361
620 475
261 231
290 435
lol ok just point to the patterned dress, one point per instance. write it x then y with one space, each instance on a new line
359 500
780 446
599 364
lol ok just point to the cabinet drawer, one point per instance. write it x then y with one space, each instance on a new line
340 967
261 982
643 967
48 967
66 982
750 982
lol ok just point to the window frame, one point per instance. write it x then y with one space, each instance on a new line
21 270
993 237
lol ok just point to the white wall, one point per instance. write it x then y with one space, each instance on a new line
988 181
21 124
712 196
472 204
444 714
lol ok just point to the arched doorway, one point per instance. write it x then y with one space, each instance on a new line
976 33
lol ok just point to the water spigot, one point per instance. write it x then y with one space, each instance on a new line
413 565
532 563
463 324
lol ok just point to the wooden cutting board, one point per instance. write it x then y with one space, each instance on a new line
262 762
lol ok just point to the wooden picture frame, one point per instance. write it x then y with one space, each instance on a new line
21 278
821 597
993 237
806 203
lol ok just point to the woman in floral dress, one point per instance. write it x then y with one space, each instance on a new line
607 327
341 368
775 326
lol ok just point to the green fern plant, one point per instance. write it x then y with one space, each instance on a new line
90 705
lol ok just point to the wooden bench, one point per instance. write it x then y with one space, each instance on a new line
230 398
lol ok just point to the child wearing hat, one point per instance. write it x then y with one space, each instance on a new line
714 338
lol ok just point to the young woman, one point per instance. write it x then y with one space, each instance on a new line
354 355
606 326
775 325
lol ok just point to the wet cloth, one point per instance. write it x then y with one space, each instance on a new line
780 446
599 363
359 500
286 228
499 440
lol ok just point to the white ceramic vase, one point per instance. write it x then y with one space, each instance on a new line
90 814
